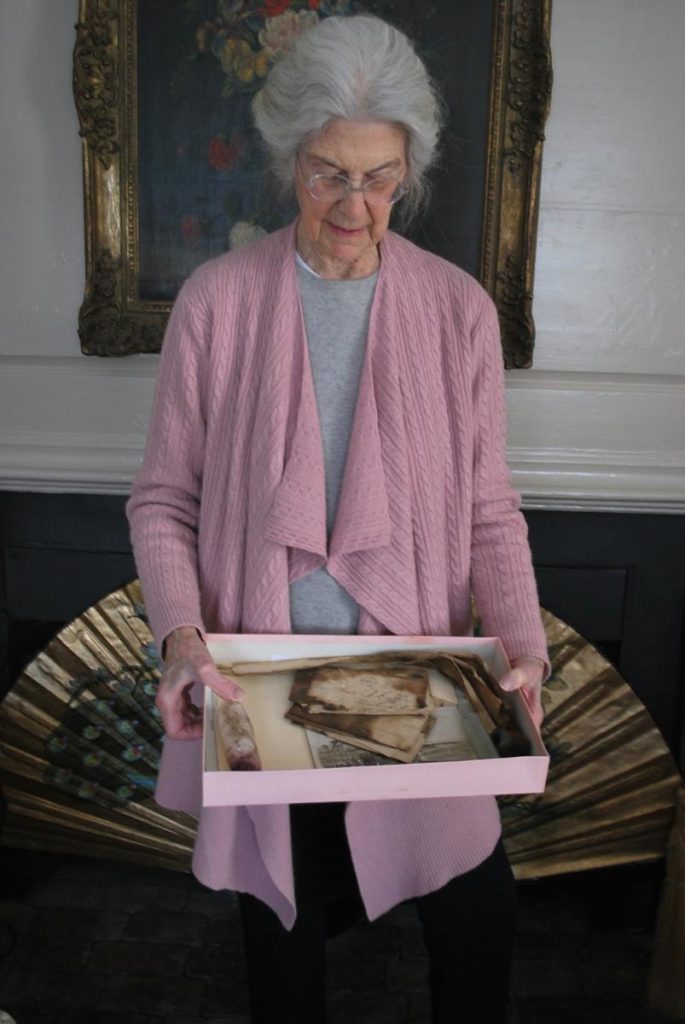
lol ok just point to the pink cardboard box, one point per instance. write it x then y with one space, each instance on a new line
289 775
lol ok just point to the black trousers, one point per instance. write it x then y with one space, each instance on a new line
468 928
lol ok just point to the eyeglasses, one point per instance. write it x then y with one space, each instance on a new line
330 188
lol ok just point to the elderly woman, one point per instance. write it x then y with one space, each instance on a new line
326 455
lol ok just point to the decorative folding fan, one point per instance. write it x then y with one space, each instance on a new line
81 739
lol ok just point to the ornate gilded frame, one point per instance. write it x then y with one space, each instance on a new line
114 321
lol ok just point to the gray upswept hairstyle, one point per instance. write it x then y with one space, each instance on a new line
352 68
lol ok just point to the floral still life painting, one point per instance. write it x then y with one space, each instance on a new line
202 187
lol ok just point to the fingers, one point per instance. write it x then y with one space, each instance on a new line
224 687
526 678
191 724
514 679
524 670
182 719
180 716
532 699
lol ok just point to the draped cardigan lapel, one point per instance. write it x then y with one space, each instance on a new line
380 517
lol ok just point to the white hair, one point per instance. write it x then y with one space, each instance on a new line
354 68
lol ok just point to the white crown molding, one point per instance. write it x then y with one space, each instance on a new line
596 487
81 366
582 382
589 481
68 463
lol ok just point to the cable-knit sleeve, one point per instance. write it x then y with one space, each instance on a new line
163 509
502 574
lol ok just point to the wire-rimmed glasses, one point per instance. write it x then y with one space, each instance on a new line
331 188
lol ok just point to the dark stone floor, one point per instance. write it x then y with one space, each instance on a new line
97 942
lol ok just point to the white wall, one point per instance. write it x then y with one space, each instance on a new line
599 422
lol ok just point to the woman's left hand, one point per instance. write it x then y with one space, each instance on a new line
526 674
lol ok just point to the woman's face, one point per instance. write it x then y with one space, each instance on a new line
340 239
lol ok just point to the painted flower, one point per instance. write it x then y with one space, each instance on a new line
238 58
279 33
126 792
224 156
243 232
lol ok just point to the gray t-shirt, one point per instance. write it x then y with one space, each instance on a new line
336 317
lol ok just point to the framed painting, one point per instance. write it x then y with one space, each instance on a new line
174 172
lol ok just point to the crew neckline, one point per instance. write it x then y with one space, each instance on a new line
333 280
305 266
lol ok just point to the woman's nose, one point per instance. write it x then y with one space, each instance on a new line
354 203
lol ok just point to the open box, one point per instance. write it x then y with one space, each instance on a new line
289 775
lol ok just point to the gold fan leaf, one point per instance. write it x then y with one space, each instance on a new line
612 782
81 739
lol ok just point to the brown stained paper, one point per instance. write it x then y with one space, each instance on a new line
362 691
390 683
483 690
486 721
472 677
381 708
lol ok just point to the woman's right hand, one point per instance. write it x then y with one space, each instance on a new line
187 662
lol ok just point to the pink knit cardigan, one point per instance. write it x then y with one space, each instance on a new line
229 506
